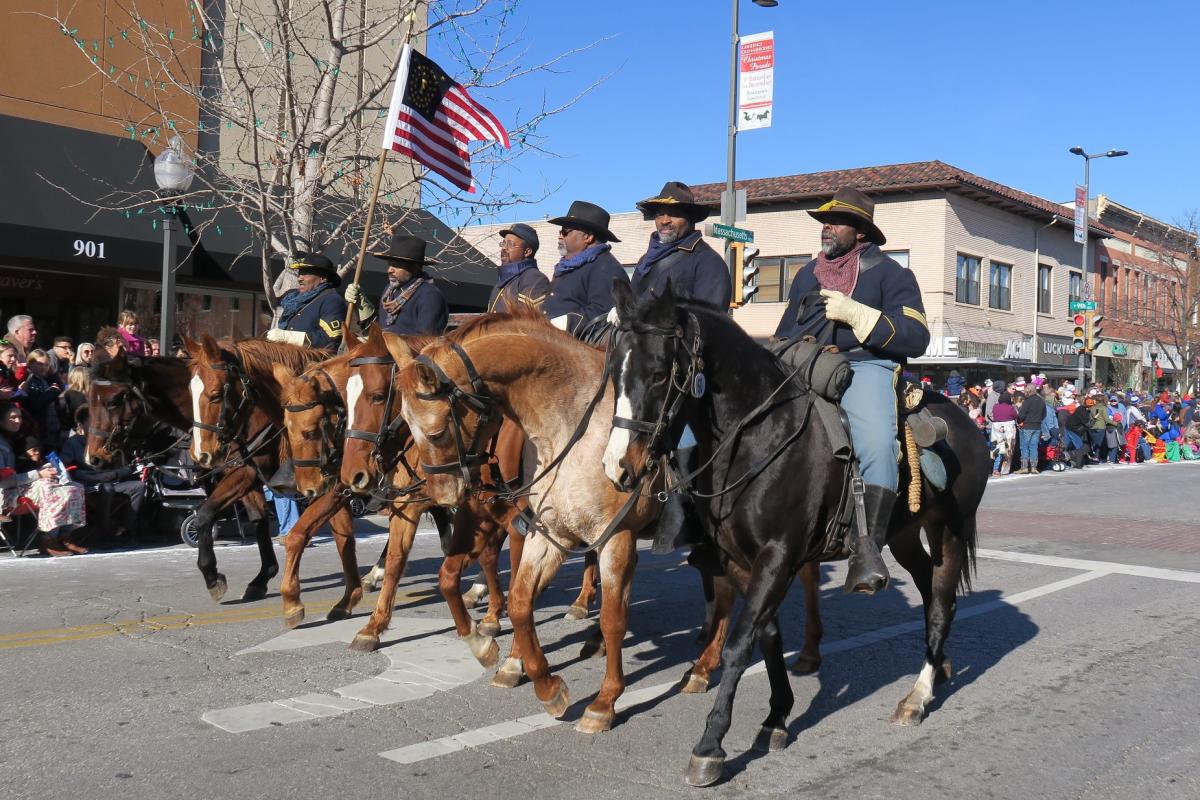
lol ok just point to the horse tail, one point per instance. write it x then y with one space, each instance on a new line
968 539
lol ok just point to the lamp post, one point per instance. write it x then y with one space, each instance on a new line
173 174
1087 283
729 211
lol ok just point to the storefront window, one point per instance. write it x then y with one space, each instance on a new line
198 311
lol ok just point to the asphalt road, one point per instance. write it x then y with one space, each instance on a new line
1076 666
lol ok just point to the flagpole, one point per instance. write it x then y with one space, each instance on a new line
366 238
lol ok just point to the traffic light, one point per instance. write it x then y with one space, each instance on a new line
1079 335
745 273
1094 331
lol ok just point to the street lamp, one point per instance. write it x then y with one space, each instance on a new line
1087 166
173 174
729 210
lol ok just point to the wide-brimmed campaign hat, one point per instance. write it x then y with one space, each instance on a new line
405 251
849 204
589 217
525 233
678 200
316 264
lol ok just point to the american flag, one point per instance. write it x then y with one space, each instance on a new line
432 118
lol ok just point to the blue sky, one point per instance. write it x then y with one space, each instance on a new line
998 89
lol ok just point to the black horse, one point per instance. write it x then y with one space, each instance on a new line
775 486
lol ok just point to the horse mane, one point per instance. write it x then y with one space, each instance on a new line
260 356
522 317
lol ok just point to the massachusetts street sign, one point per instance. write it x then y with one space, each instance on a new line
729 232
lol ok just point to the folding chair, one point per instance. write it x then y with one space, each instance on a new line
18 530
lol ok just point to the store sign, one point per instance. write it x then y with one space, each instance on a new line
1057 348
942 347
1018 350
1120 350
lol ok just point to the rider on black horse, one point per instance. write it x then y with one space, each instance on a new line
854 296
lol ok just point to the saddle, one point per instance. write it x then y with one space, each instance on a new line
827 373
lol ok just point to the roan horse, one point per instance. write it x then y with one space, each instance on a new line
756 434
543 380
378 454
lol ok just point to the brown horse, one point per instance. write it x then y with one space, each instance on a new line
544 380
237 424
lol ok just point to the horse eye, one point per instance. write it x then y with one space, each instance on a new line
438 435
378 398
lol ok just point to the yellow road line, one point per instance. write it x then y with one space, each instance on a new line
167 622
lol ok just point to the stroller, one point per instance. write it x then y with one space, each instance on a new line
1052 457
174 493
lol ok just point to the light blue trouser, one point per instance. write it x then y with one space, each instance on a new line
286 510
870 405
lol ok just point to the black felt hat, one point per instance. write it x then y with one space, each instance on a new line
678 200
316 264
525 233
589 217
849 204
405 251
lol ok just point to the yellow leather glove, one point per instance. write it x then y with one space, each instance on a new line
355 297
861 318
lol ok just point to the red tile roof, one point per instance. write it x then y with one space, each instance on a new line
890 179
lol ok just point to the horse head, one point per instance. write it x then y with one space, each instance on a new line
314 419
447 407
219 396
114 405
651 374
373 436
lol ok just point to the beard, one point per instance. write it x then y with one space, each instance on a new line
562 249
833 249
669 236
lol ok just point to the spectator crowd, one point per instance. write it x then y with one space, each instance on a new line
1032 425
43 441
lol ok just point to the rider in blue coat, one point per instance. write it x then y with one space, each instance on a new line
412 304
853 296
581 290
315 308
519 279
678 252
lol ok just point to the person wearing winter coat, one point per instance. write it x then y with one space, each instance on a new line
1029 420
955 384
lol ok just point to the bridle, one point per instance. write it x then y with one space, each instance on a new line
686 380
229 422
478 399
114 440
333 425
382 440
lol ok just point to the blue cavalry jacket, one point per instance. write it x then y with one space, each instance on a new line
695 270
425 313
901 332
528 286
584 293
321 318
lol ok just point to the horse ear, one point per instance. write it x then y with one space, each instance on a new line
623 299
283 374
209 345
190 345
375 334
662 307
399 349
426 377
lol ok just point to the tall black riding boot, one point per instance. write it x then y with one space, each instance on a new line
868 573
677 520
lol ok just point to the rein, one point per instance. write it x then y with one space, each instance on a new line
389 427
116 438
478 400
332 434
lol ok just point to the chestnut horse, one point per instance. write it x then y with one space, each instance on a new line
521 368
237 424
676 363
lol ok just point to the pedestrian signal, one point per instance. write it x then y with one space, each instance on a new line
1079 335
745 273
1094 331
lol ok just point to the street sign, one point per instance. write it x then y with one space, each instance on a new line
729 232
1082 305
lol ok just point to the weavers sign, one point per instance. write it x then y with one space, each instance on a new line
756 73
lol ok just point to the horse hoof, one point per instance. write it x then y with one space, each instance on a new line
336 613
944 674
693 683
704 770
577 612
254 592
770 739
908 716
476 593
560 699
369 584
490 629
218 588
595 721
293 618
488 655
593 648
509 676
365 643
806 664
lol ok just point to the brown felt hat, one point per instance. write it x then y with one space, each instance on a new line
852 206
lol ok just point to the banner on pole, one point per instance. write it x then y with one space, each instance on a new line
1080 215
756 81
